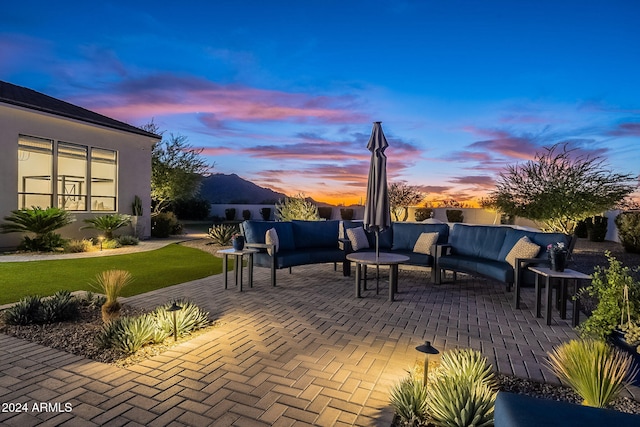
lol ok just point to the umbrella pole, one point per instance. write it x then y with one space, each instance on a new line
377 257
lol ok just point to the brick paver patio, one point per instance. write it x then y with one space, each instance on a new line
304 353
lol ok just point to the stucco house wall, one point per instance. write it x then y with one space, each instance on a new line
133 153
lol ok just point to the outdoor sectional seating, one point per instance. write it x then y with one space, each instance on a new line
482 250
300 243
400 239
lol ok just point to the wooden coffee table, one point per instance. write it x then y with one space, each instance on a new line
363 259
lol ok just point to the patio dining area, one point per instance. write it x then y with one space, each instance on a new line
306 352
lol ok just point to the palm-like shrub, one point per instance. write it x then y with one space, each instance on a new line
108 223
409 400
40 222
111 283
222 234
464 390
593 369
296 207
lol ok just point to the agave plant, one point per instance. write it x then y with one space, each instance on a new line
189 318
40 222
409 400
108 223
593 369
127 334
222 234
468 363
111 283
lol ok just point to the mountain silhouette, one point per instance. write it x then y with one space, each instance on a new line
222 188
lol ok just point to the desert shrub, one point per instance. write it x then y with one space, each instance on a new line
127 240
464 390
607 288
78 245
109 244
127 334
296 207
409 400
628 224
222 234
111 283
59 307
164 224
47 242
422 214
108 223
454 215
188 319
593 369
24 312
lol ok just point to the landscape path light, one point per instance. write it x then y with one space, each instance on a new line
174 309
100 239
427 349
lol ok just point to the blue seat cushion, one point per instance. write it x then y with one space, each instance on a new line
478 241
406 234
540 239
315 234
254 232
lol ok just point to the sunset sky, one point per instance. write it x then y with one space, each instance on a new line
284 93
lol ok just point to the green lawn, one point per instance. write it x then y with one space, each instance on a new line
151 270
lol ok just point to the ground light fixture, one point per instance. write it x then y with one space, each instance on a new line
174 309
427 349
100 239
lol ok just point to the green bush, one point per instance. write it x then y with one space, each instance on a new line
59 307
628 224
593 369
454 215
164 224
47 242
409 400
222 234
127 240
422 214
607 288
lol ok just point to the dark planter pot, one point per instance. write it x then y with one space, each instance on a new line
558 261
238 243
265 213
346 214
617 340
230 214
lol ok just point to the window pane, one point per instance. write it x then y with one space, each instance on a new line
103 179
72 176
35 168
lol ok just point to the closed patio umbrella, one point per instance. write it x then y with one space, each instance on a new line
377 211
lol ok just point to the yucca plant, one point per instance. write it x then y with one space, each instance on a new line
409 400
457 401
222 234
189 318
464 390
467 363
111 283
593 369
42 223
108 223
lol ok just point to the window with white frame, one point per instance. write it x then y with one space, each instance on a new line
85 177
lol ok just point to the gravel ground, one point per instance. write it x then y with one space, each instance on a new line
77 337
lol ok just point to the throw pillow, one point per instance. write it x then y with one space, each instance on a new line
424 243
358 238
524 248
271 238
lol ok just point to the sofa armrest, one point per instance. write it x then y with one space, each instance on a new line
521 266
345 245
438 251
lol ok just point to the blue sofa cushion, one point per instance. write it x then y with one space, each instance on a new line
406 234
254 232
315 234
479 241
516 410
385 237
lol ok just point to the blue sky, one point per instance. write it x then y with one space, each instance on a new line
283 93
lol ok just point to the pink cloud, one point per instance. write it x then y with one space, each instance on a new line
626 129
167 94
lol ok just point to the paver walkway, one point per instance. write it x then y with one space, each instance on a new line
304 353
